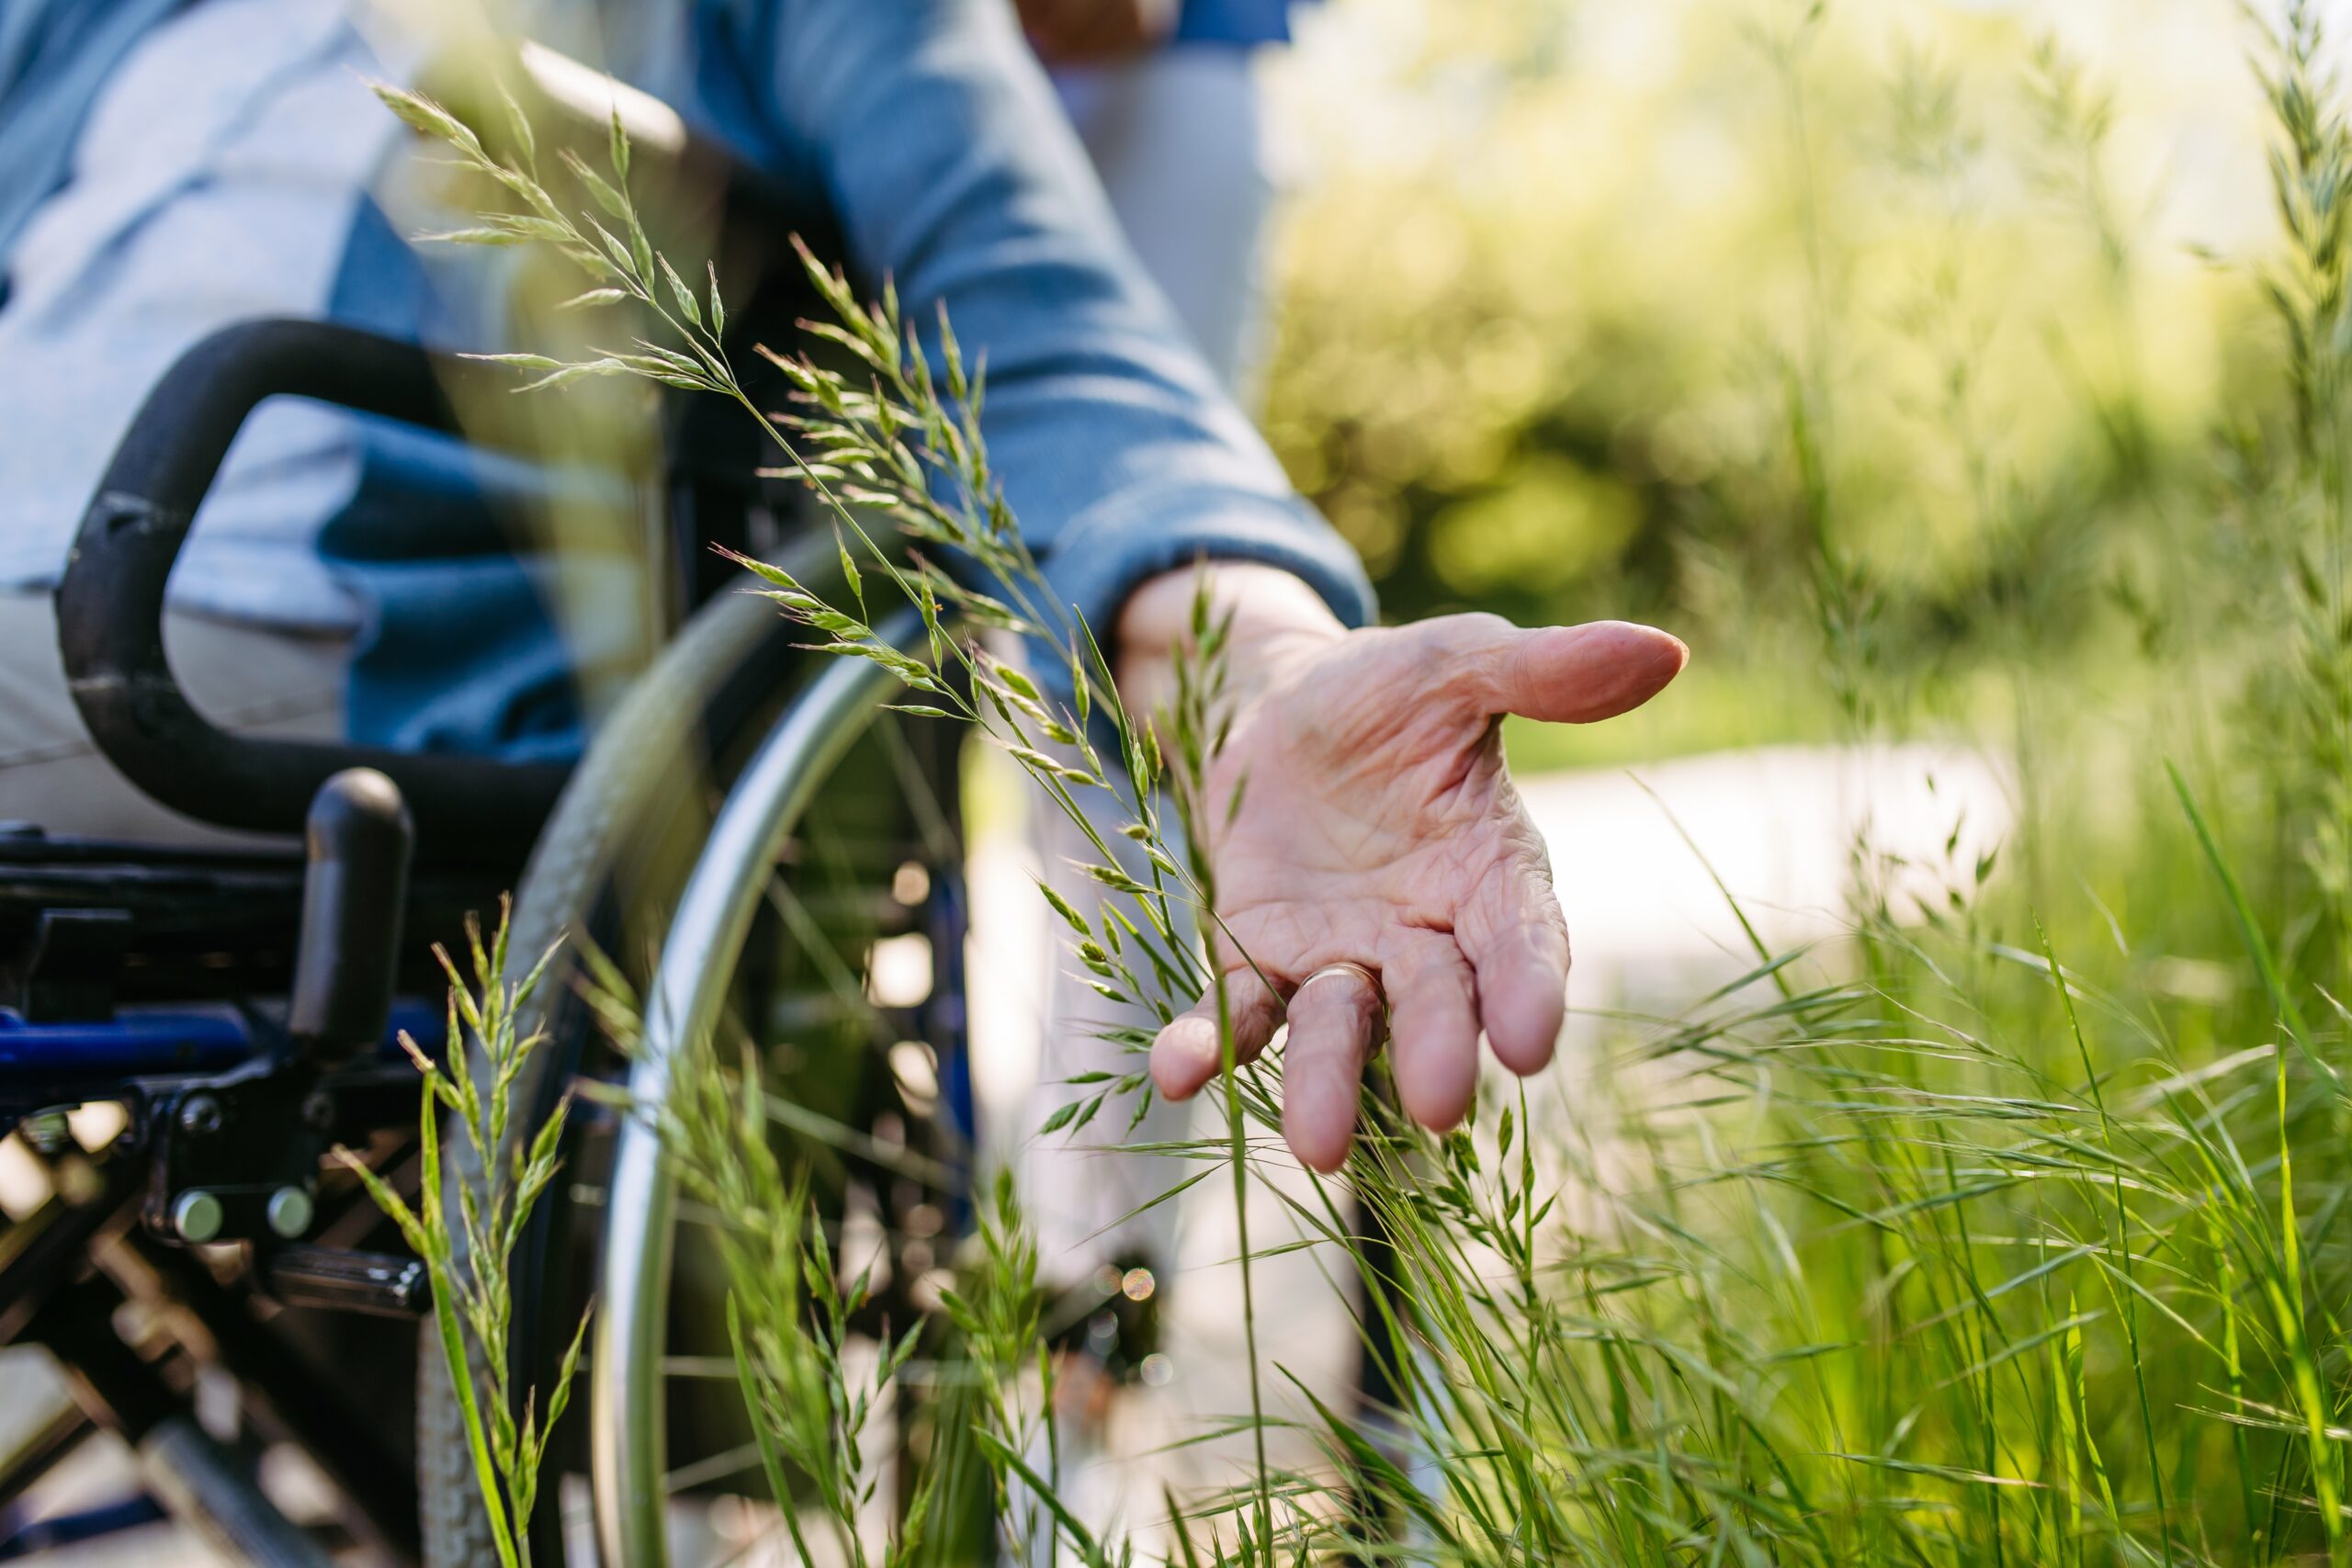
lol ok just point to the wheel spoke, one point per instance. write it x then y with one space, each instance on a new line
713 1467
941 840
845 985
717 1367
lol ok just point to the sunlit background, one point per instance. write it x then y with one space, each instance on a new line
1591 309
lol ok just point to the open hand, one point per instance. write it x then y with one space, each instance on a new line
1378 828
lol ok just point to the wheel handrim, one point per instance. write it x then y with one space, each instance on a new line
705 942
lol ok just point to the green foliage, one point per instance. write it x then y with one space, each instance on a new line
1771 309
470 1257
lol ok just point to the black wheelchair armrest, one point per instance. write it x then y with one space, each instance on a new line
111 600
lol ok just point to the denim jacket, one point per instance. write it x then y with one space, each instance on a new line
919 131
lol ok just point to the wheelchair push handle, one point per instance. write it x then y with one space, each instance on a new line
354 891
110 599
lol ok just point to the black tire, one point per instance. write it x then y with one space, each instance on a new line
625 802
610 865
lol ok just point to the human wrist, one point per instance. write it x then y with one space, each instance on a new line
1274 616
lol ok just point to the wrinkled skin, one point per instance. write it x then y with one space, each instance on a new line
1379 827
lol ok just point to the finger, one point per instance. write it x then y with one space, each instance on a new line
1186 1055
1578 675
1517 942
1334 1019
1433 1021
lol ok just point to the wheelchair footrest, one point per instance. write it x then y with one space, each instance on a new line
372 1282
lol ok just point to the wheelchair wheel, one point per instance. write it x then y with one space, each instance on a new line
750 838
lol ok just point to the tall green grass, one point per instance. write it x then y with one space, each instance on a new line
2008 1230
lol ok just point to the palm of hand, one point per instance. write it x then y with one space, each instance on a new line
1376 825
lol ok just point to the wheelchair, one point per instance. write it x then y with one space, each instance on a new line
747 829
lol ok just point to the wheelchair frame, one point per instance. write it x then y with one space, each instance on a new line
232 1105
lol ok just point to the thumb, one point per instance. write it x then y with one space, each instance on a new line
1578 675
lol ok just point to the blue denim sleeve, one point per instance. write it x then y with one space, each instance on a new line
1242 22
948 165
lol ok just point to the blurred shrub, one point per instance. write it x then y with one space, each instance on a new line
1750 315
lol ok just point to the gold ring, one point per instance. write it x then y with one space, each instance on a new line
1372 982
1342 968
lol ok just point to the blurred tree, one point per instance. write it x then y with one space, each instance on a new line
1745 314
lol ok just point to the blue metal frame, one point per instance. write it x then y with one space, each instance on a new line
56 1531
63 1063
138 1042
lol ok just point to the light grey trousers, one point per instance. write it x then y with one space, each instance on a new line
1177 138
247 681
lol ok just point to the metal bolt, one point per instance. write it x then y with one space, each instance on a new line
289 1211
196 1215
47 1133
200 1115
